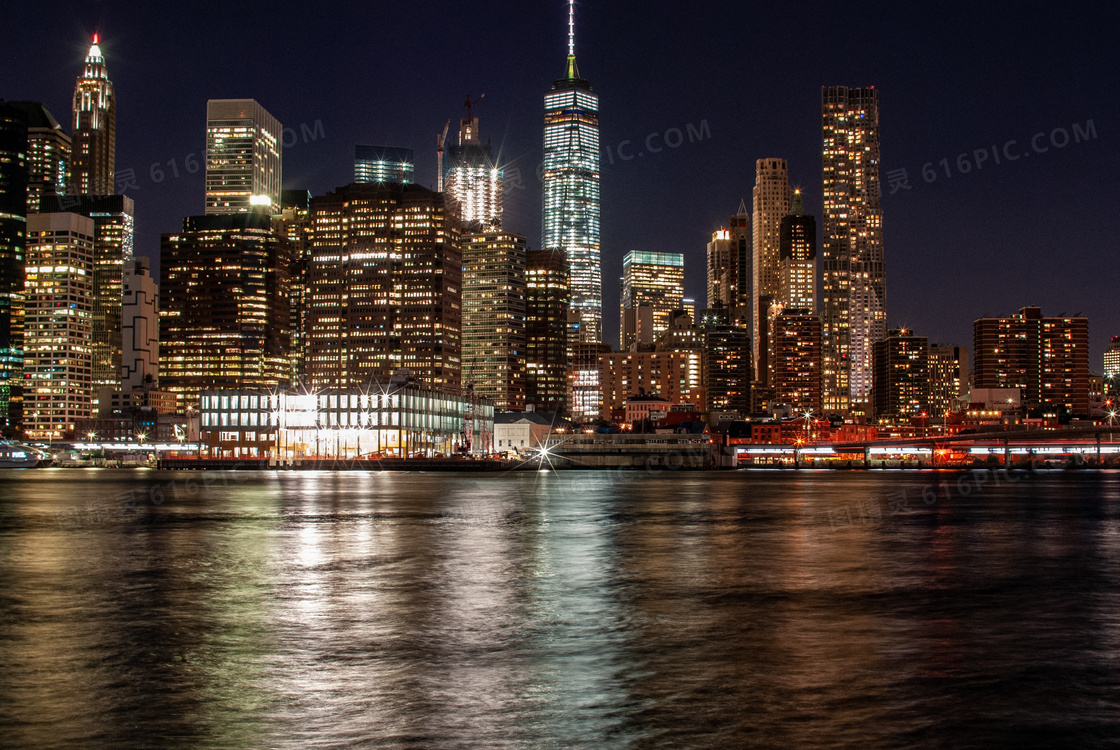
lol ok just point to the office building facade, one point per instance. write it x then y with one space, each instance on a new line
948 376
796 360
654 280
244 148
797 263
771 197
384 164
48 155
901 377
13 248
546 315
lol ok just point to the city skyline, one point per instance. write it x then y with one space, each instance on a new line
933 227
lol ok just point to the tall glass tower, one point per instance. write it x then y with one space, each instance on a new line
94 148
571 188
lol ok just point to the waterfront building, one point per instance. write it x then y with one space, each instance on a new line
654 280
224 308
494 355
948 377
797 264
571 189
93 151
1047 358
48 154
901 376
58 329
854 313
13 247
385 287
546 316
243 157
383 164
771 203
394 418
114 240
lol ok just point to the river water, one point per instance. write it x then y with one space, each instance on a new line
563 609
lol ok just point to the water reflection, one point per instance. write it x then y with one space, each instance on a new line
559 609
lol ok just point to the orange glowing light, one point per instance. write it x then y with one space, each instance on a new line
95 38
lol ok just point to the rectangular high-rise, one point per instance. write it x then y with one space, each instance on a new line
853 310
383 164
223 305
58 387
655 280
13 247
48 154
901 376
1046 358
796 360
797 264
385 287
494 317
546 317
293 227
948 376
139 327
93 151
570 174
244 145
771 204
114 230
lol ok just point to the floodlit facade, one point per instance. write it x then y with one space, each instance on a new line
243 157
384 164
585 392
385 287
546 315
771 203
654 280
58 326
571 191
472 181
94 143
494 317
223 305
797 264
853 310
391 419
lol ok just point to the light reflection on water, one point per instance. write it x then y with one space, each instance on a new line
560 609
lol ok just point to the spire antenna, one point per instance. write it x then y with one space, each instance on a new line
571 28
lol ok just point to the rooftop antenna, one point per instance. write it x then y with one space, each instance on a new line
571 28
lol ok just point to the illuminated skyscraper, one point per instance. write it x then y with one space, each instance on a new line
854 307
57 368
1112 359
385 287
293 226
901 376
546 316
139 327
13 246
223 305
948 376
494 317
742 249
796 359
654 280
48 154
721 271
771 203
243 157
114 228
94 148
472 182
571 188
383 164
797 268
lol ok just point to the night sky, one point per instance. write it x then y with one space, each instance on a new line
953 78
